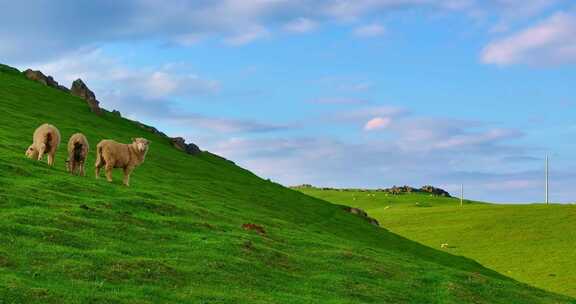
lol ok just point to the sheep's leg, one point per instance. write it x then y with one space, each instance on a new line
108 170
99 165
51 159
41 152
81 169
127 172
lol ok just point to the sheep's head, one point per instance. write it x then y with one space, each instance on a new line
141 144
31 152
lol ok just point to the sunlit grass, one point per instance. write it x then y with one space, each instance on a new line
531 243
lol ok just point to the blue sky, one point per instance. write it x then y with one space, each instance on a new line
364 93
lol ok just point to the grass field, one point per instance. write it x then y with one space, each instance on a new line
175 235
531 243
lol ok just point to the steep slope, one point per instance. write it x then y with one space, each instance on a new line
176 235
531 243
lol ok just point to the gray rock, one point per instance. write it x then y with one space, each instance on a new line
80 89
361 213
43 79
180 144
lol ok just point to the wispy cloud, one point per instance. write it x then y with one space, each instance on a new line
94 66
247 36
552 41
370 30
377 123
168 114
365 113
237 22
436 157
150 94
339 100
301 25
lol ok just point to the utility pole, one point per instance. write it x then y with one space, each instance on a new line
547 180
461 195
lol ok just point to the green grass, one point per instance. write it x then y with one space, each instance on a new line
175 235
531 243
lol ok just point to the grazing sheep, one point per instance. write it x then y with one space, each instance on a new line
77 153
444 245
111 154
45 141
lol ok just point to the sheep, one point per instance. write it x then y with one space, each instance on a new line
111 154
444 245
77 152
45 141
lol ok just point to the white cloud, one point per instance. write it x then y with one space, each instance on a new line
370 30
247 36
360 86
147 93
185 23
364 114
377 123
106 72
339 100
188 39
300 25
552 41
451 153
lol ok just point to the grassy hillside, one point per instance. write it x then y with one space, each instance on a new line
531 243
175 236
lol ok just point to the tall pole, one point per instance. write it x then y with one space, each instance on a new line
547 187
461 195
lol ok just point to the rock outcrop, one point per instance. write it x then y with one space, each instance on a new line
150 129
177 142
361 213
435 191
80 89
43 79
395 190
180 144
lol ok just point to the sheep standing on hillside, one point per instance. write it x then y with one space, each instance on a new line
77 153
45 141
111 154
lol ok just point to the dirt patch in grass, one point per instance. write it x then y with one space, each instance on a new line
254 227
5 261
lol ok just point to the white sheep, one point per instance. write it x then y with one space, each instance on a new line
77 152
45 141
111 154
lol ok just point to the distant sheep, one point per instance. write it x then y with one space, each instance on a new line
111 154
444 245
45 141
77 152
